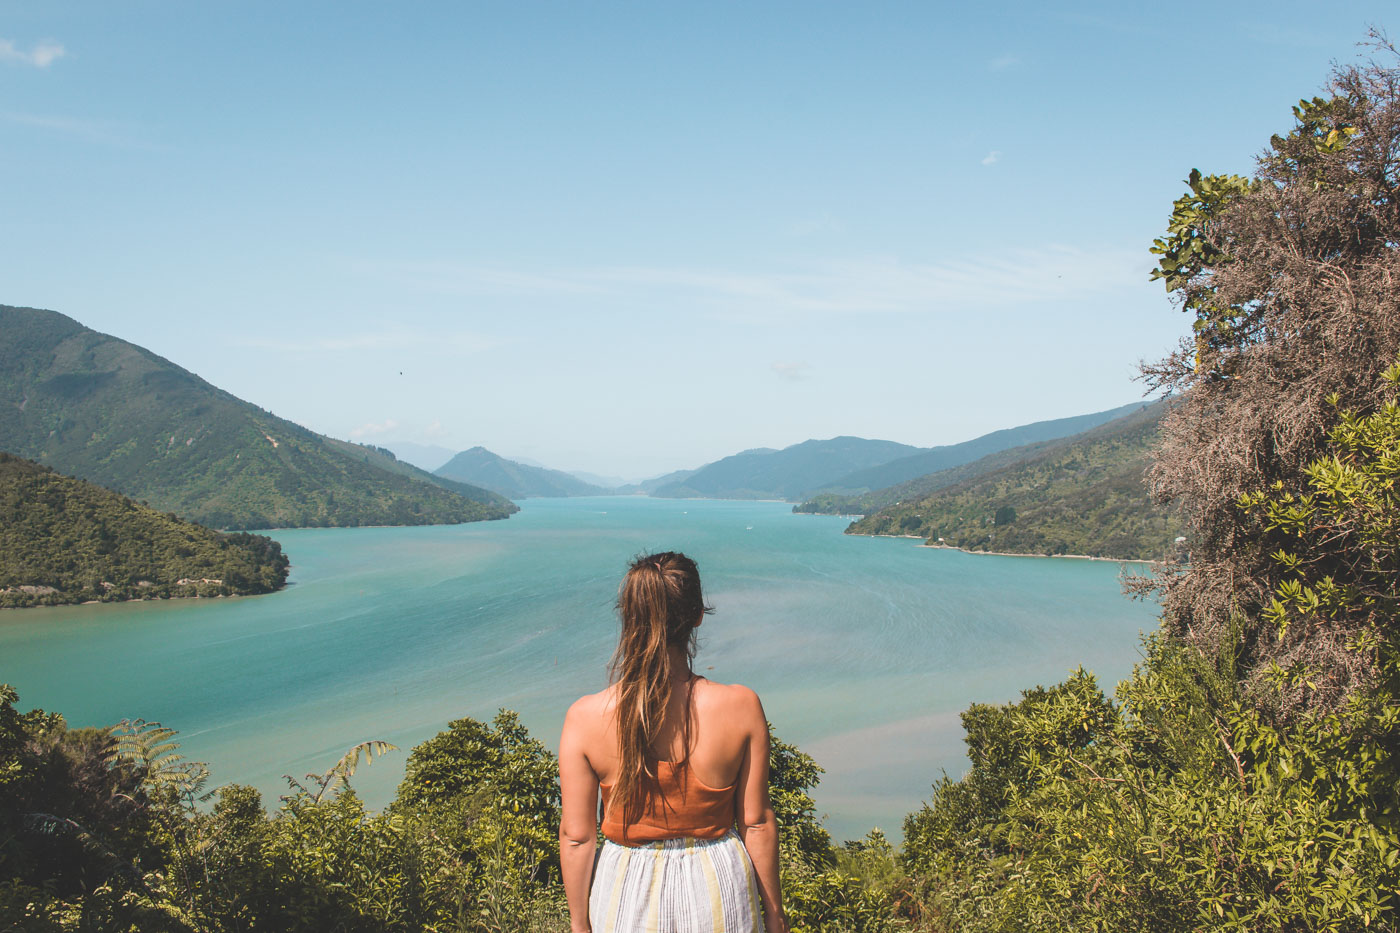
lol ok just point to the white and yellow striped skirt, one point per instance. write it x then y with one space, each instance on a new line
675 886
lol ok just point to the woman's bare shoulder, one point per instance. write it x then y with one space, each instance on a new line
590 708
734 700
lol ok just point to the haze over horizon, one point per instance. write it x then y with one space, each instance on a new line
629 240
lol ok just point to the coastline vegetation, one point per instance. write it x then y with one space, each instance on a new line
1245 777
63 540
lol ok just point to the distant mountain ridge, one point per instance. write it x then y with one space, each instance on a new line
765 473
116 414
845 466
513 479
867 503
648 487
602 482
947 456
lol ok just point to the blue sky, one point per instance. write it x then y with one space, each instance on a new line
630 238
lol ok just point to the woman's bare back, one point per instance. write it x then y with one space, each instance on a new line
724 719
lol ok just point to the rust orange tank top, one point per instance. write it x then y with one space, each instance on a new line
677 805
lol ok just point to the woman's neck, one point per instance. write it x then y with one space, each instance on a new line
680 666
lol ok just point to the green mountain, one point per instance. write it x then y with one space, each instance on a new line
118 415
64 540
867 503
481 467
946 457
1079 495
789 473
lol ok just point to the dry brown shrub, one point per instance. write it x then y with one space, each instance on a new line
1309 294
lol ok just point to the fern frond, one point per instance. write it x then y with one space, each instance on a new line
153 747
295 786
339 774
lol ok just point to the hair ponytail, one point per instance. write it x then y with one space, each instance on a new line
660 604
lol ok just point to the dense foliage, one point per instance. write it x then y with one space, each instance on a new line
100 830
115 414
78 830
63 540
1084 495
1177 807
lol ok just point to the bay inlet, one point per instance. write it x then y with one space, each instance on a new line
864 650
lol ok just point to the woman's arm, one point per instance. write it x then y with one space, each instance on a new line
578 824
758 827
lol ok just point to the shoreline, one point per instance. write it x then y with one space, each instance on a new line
952 547
136 599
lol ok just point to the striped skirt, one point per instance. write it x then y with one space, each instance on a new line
675 886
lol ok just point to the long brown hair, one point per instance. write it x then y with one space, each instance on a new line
660 604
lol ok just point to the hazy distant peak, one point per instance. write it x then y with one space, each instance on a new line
765 473
513 479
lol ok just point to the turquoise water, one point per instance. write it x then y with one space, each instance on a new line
864 650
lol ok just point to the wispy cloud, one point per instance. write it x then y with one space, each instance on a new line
860 285
93 131
457 342
374 428
791 372
43 54
1003 62
992 158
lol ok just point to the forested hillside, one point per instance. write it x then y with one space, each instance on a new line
1082 496
63 540
868 503
113 413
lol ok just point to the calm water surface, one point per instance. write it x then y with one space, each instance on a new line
864 650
